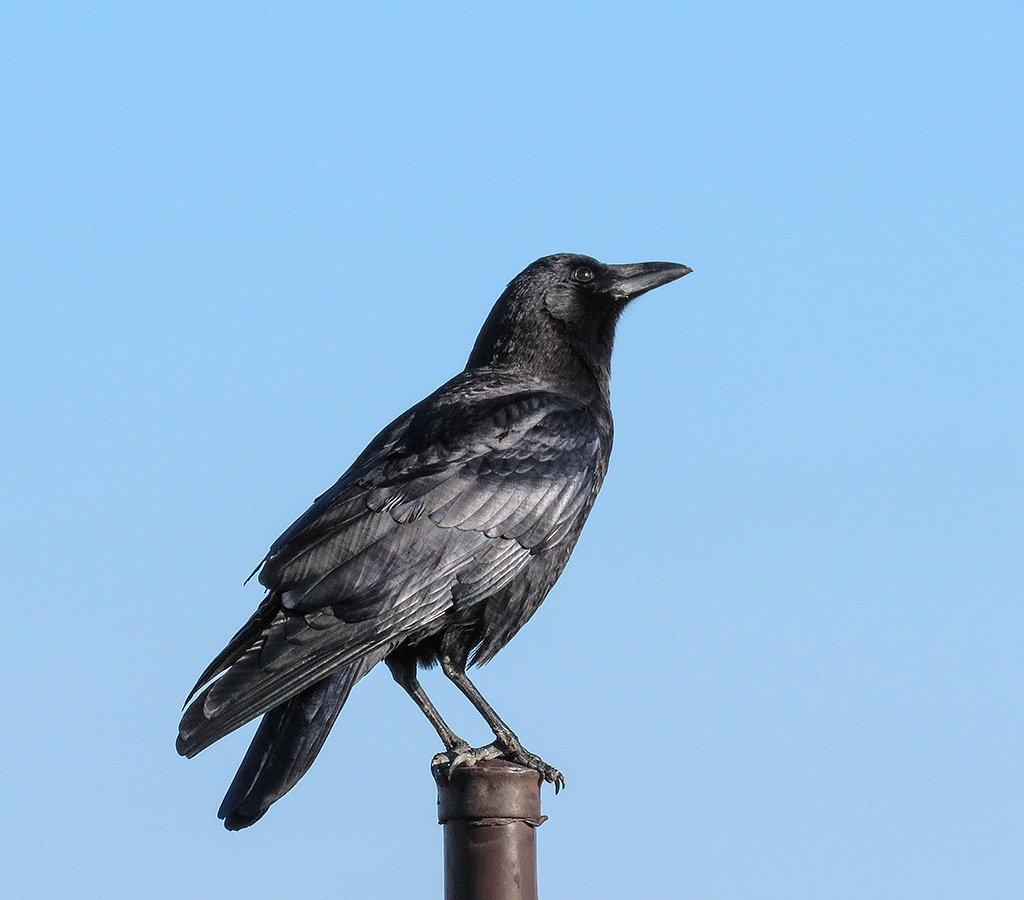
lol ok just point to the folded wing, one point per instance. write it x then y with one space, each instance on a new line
424 522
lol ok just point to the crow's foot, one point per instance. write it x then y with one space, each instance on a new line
464 756
511 751
516 753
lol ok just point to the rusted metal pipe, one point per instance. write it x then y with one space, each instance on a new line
490 812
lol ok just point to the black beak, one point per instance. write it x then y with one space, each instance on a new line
634 279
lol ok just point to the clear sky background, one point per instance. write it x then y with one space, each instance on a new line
238 238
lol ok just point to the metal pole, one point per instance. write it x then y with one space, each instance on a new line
490 812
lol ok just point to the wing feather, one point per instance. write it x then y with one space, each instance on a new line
422 523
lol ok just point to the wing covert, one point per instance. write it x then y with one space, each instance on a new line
523 472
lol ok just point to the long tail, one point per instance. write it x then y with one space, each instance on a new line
287 742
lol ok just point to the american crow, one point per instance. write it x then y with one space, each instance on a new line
439 542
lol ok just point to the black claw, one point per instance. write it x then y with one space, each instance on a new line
524 758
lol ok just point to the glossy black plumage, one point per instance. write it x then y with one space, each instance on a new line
439 542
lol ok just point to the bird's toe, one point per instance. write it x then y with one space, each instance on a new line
518 754
464 756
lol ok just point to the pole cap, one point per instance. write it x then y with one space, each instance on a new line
492 789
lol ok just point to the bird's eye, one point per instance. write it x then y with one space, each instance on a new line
584 275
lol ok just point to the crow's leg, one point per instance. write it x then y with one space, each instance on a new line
403 670
507 745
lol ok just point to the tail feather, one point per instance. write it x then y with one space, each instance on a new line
247 636
285 658
287 742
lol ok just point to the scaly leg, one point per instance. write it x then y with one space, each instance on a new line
403 670
506 745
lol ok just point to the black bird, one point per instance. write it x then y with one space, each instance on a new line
438 543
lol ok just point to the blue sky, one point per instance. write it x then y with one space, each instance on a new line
785 660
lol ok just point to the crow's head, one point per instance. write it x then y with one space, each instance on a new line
563 308
577 289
